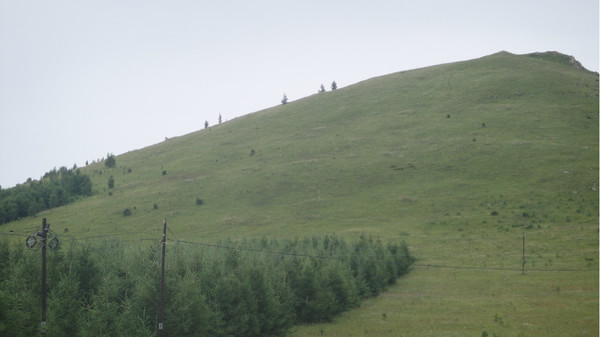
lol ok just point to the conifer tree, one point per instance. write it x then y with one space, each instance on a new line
110 161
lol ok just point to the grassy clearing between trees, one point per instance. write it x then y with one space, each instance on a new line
486 292
456 160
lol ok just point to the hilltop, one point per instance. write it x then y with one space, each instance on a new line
456 159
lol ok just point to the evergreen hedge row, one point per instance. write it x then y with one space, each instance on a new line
248 288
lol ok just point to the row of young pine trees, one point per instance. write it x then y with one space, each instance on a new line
248 288
284 100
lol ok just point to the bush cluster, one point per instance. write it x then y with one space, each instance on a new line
249 288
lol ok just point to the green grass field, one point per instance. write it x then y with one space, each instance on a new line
457 160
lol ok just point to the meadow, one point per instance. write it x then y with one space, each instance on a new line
457 160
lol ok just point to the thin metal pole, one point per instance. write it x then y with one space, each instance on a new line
524 261
162 282
44 234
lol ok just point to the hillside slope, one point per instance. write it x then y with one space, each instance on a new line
501 133
456 159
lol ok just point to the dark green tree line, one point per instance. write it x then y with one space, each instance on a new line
258 288
56 188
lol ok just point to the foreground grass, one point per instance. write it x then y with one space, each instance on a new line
448 302
557 295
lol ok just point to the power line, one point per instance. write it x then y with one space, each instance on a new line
290 254
501 268
172 233
262 251
341 257
13 234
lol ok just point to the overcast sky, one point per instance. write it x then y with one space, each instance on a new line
79 79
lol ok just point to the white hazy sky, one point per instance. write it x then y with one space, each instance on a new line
79 79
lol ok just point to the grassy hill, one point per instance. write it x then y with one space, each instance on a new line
458 160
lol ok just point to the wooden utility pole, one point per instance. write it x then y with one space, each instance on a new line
524 261
44 235
162 282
